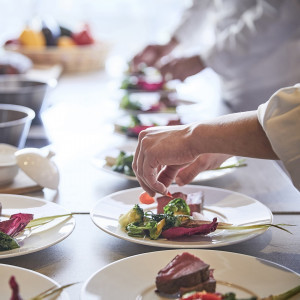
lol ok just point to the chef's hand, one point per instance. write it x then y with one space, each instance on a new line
204 162
181 68
161 153
151 55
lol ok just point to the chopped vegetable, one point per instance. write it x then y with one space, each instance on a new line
231 296
124 164
176 232
286 295
136 214
139 229
126 103
145 198
7 242
177 206
15 289
15 224
53 292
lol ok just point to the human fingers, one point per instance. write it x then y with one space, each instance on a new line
150 176
204 162
167 174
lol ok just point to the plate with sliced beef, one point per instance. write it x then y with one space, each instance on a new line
218 217
168 274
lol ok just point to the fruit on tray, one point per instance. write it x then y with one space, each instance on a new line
51 34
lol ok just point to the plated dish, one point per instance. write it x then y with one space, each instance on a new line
227 206
147 79
244 275
152 102
132 125
40 237
31 283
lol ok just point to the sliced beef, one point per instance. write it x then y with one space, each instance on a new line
195 202
162 202
184 271
208 286
179 195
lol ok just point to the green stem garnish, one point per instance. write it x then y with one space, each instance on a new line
284 296
258 226
240 163
45 220
54 292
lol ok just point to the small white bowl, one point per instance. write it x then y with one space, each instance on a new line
37 164
8 164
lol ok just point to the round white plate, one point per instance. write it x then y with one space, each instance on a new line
43 236
30 283
227 206
100 162
135 276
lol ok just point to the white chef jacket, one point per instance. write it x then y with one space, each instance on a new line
256 50
280 119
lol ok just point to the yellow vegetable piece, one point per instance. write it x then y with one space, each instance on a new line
160 226
65 41
31 38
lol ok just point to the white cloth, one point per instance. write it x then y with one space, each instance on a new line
280 119
256 49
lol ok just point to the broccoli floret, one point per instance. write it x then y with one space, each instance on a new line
136 214
170 219
7 242
141 230
177 207
126 103
124 164
152 229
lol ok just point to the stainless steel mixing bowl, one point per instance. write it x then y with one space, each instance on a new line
18 90
15 122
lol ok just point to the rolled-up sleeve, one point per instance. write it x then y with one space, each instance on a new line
280 119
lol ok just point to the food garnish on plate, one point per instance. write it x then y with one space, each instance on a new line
150 102
188 277
122 163
184 273
177 220
135 124
53 292
147 79
17 227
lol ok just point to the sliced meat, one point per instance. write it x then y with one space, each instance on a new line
208 286
195 202
179 195
185 270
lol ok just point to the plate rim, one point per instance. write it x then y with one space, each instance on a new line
33 250
156 243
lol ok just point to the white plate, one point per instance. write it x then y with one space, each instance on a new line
30 283
43 236
227 206
100 162
134 277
